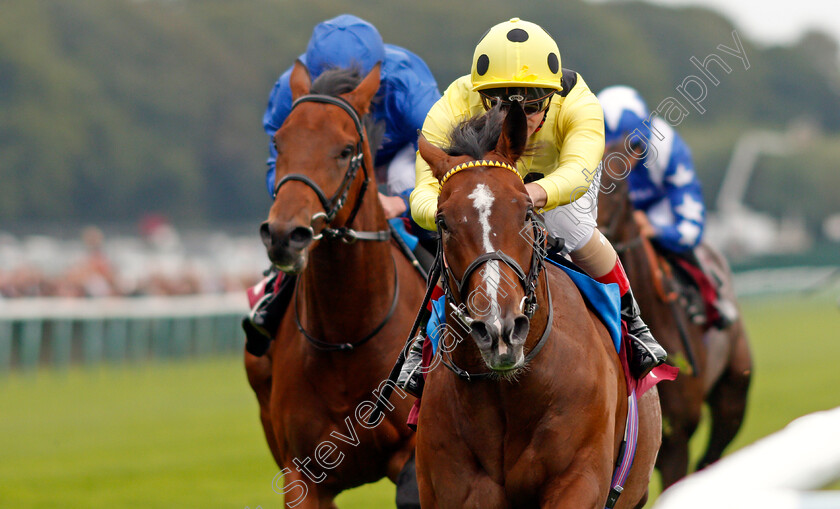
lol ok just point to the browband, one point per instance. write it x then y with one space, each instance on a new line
475 164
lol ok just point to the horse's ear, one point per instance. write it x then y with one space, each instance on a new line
438 159
514 136
299 81
360 97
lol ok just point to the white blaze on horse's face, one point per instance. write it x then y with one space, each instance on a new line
483 200
499 353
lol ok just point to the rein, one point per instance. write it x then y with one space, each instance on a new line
345 347
332 205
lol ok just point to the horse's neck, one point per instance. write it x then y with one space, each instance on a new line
347 289
627 230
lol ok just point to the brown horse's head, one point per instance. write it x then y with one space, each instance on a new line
615 210
320 149
484 219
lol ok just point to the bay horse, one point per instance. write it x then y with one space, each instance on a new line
356 295
715 366
532 410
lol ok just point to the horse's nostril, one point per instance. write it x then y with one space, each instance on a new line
301 237
480 332
265 234
521 326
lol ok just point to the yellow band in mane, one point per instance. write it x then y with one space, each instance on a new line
476 164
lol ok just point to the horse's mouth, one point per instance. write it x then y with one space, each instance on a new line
294 266
510 373
506 368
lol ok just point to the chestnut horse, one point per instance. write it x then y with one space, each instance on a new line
716 366
532 410
356 296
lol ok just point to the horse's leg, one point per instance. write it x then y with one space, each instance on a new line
299 493
581 492
408 495
258 370
728 397
681 411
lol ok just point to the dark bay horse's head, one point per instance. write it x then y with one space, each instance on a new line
615 210
484 218
321 147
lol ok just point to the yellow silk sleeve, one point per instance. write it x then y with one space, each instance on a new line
578 134
450 109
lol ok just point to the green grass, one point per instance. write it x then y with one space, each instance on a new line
186 434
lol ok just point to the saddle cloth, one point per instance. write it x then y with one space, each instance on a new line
602 298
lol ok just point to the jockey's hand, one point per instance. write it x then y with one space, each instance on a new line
645 228
394 205
537 194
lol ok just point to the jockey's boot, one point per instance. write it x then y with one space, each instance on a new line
411 376
646 353
261 323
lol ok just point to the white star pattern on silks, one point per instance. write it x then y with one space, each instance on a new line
690 209
682 176
688 232
616 101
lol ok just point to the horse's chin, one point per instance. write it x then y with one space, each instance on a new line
295 266
504 368
509 374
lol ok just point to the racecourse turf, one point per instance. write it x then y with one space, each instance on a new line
186 434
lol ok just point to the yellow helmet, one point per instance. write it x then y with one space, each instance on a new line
516 53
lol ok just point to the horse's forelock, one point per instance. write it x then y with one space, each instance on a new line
336 81
476 136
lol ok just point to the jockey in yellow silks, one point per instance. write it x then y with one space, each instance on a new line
519 61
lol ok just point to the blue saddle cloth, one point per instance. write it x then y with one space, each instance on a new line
409 239
604 299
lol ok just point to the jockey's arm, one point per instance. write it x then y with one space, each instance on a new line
579 137
446 112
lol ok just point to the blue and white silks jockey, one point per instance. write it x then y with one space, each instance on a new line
663 183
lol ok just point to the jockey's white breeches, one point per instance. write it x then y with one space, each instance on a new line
576 221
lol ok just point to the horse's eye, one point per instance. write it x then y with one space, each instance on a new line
442 223
347 152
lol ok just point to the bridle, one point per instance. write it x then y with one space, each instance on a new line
529 281
334 204
331 208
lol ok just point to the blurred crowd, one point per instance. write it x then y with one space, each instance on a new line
156 261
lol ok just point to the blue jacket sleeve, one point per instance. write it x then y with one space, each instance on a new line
421 93
279 106
685 197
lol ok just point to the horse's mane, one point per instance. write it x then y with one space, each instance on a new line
336 81
477 135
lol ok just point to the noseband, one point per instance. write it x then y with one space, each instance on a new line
332 205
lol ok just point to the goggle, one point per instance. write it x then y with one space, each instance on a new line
506 97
